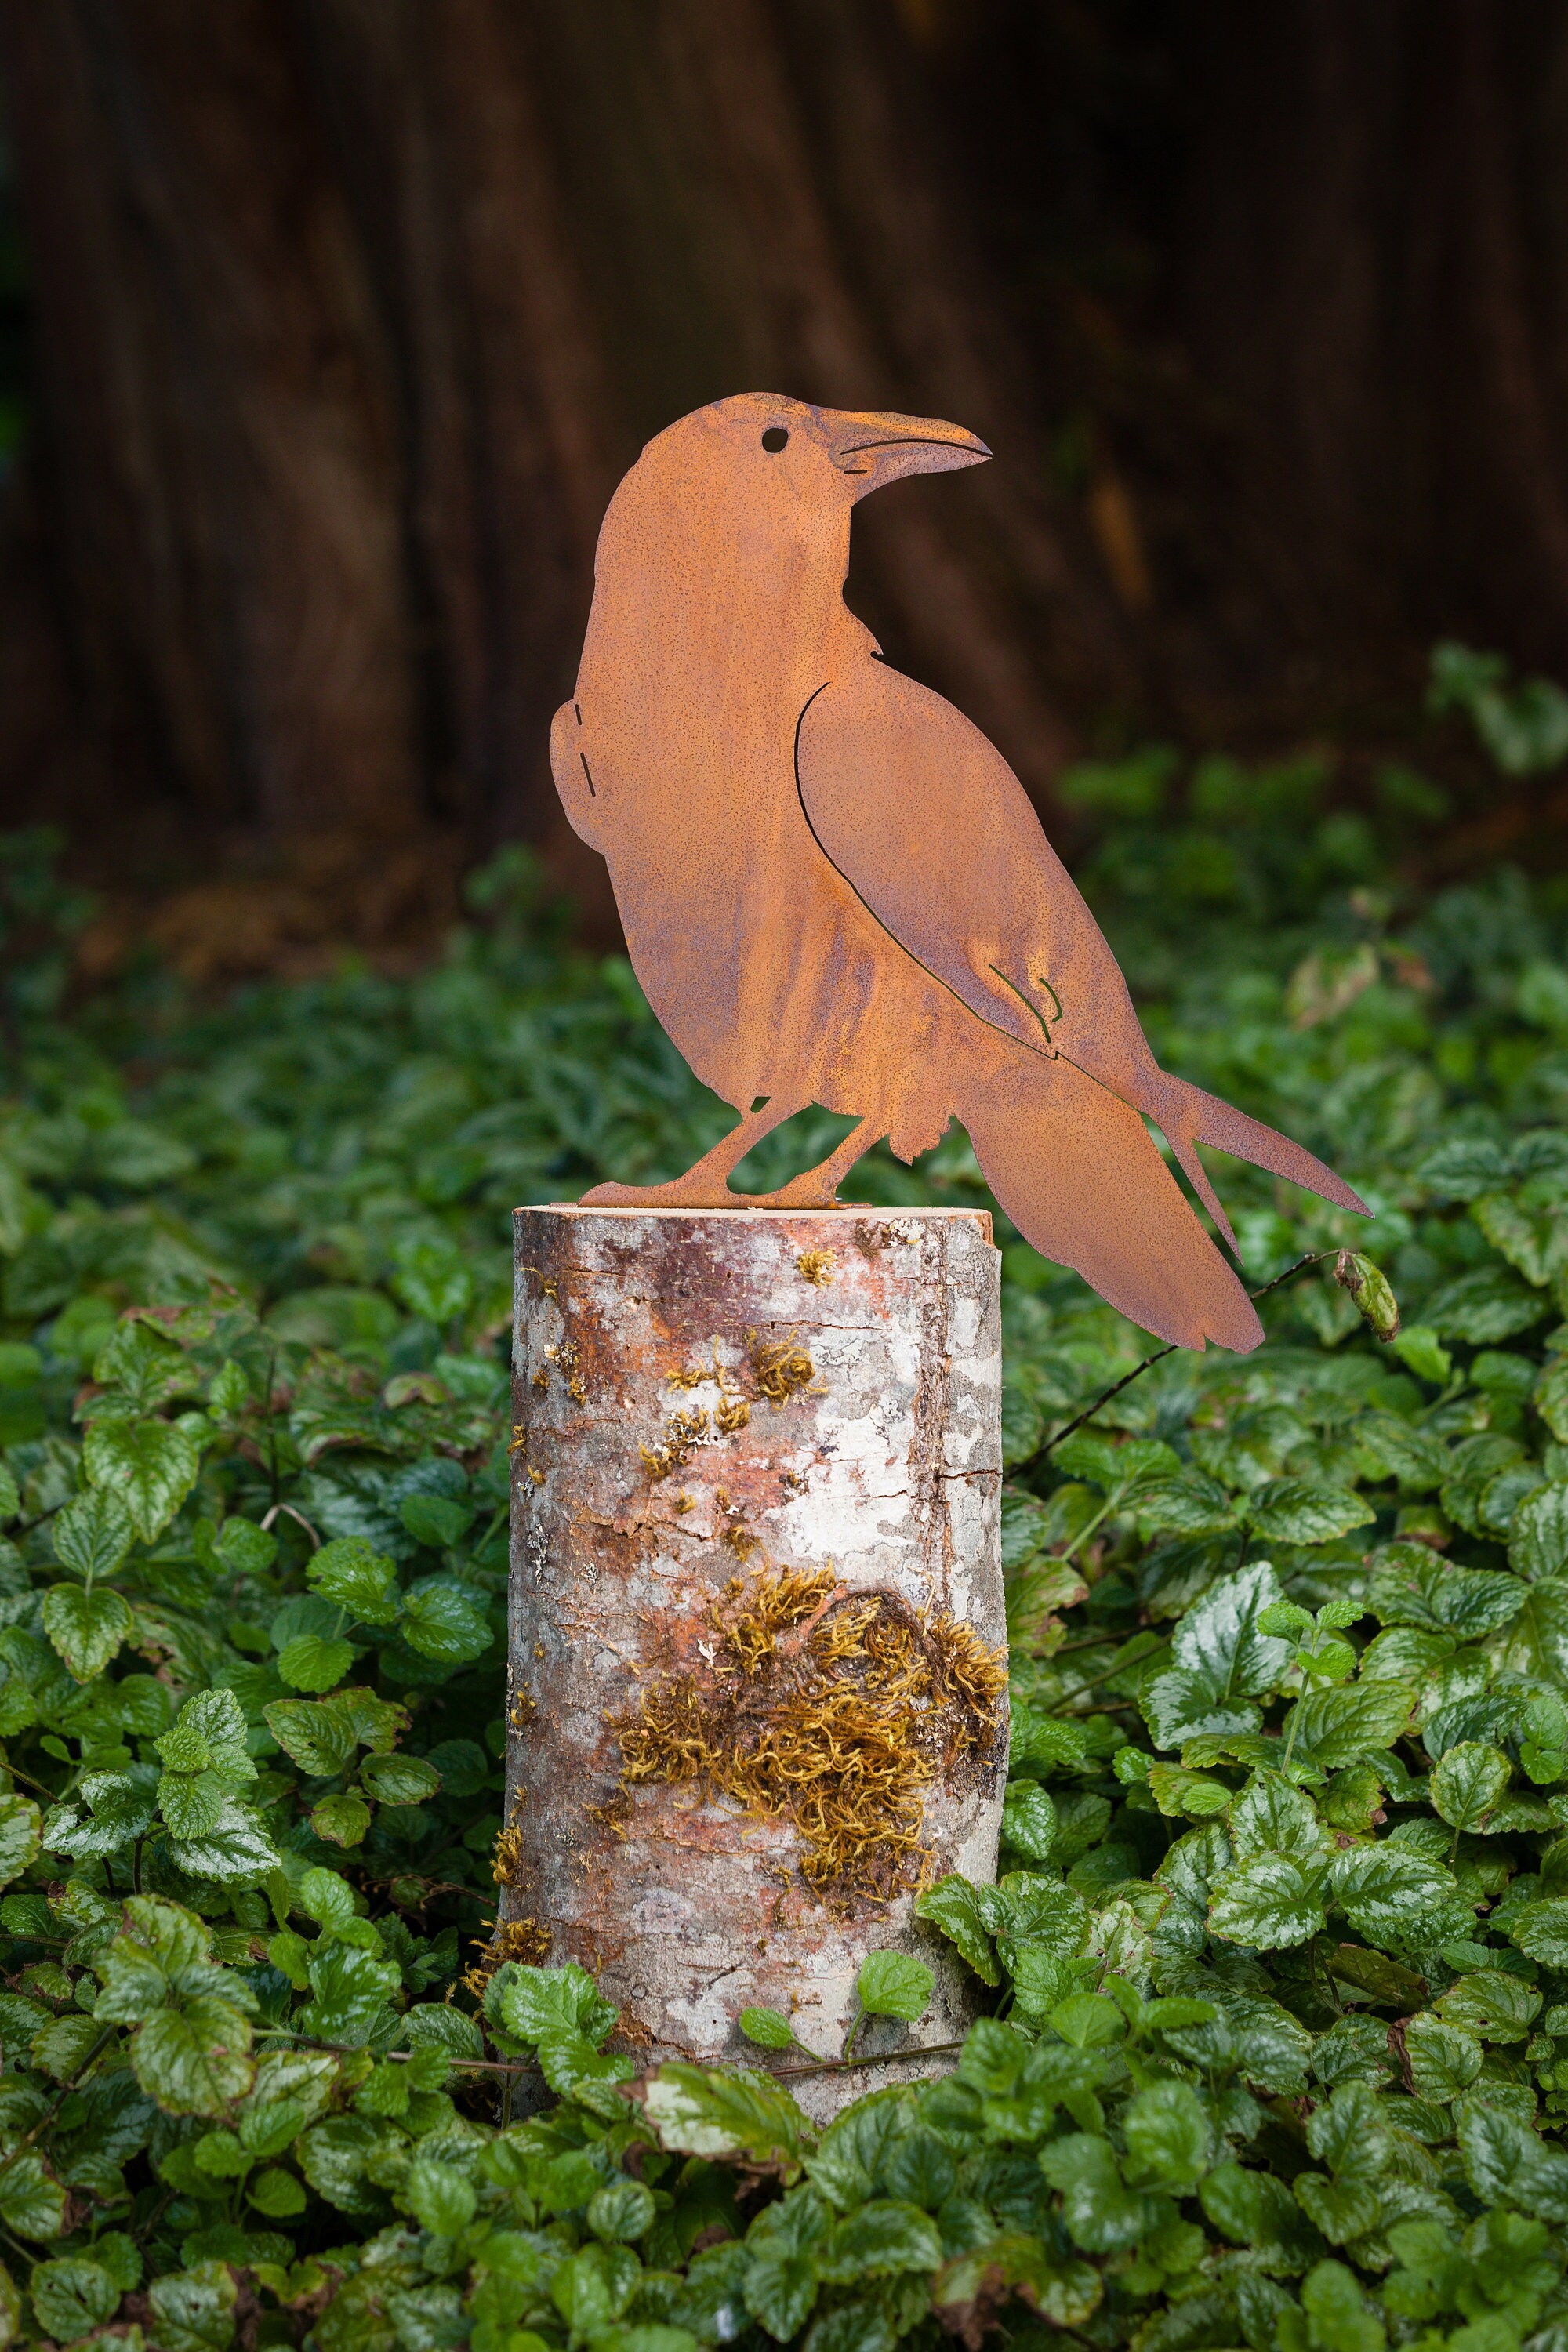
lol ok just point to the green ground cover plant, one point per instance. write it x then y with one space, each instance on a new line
1276 1966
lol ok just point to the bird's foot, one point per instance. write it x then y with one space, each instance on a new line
807 1192
682 1194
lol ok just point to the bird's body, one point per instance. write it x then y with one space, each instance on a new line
835 889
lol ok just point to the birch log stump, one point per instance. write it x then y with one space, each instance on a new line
757 1676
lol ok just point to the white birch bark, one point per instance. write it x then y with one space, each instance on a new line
886 1464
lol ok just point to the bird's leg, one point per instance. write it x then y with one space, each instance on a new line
704 1185
817 1188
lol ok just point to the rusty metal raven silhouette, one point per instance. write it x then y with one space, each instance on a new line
836 890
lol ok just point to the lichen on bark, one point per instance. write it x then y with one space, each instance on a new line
832 1707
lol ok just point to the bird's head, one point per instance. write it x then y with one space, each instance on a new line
769 453
756 473
744 507
829 456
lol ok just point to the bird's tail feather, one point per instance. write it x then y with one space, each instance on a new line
1187 1117
1077 1171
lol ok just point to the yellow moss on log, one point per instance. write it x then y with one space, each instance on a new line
832 1709
511 1939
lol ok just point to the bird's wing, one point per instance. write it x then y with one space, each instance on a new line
934 832
935 835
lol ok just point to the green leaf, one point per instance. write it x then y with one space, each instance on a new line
433 1278
539 2003
1272 1816
342 1820
727 2111
62 2046
320 1736
209 1736
399 1779
1444 2061
1028 1820
439 1521
440 2198
1407 1451
192 1803
194 2061
1101 2213
86 1628
1506 2164
309 1662
1468 1784
1493 2003
894 1984
1410 1585
1419 1346
1269 1901
1397 1897
883 2237
20 1834
953 1907
1089 2021
93 1533
1255 2211
1540 1930
1369 1287
350 1990
72 2295
121 1811
31 2204
1167 2136
323 1896
1336 1728
1023 1425
621 2211
441 1619
780 2293
1187 1503
768 2027
358 1578
276 2193
1537 1537
1183 1794
1490 1303
150 1465
1220 1660
1306 1511
242 1545
194 2308
235 1850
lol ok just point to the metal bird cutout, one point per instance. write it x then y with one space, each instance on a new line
835 889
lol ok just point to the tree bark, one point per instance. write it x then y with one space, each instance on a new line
352 313
1373 285
222 465
349 313
716 1410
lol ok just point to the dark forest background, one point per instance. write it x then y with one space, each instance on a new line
330 325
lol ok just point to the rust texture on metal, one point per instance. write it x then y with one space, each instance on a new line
808 1594
836 890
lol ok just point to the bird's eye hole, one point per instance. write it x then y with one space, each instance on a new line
774 439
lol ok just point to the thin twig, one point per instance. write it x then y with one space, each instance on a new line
1089 1410
889 2058
1020 1469
508 2066
345 2049
1124 1667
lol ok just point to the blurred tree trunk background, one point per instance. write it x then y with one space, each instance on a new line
346 316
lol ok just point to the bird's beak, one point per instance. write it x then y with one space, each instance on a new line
872 450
